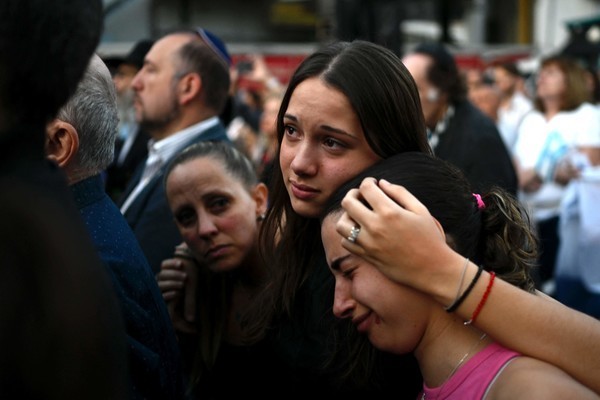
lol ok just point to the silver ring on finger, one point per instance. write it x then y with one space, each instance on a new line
354 233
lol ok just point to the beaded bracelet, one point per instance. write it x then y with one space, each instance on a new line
483 299
452 307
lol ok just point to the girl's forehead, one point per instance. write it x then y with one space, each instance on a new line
315 99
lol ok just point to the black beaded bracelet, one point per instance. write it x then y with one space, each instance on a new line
452 307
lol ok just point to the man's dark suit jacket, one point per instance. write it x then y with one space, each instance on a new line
149 214
472 142
119 175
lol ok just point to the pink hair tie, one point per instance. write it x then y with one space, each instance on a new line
480 203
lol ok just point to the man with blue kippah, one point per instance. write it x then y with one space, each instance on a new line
179 93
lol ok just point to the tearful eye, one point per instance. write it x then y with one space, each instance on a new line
348 273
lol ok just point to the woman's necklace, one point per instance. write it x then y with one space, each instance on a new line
462 360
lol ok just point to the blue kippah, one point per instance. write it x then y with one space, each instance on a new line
215 43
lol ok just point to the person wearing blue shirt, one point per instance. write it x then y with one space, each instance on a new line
81 141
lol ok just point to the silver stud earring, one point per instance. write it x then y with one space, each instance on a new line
261 217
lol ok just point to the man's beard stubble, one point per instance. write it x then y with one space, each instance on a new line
156 127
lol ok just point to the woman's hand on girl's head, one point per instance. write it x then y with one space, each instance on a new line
398 234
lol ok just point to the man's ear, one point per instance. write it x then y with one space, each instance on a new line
62 142
189 87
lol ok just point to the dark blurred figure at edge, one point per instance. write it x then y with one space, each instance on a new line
62 332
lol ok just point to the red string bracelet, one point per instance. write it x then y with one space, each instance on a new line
484 298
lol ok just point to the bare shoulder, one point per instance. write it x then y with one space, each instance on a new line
529 378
